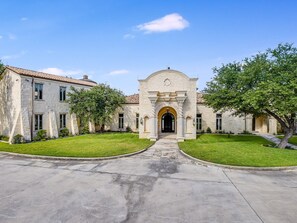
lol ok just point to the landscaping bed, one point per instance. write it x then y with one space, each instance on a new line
90 145
238 150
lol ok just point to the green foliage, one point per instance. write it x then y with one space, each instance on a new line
263 84
245 132
97 104
64 132
18 139
128 129
2 68
85 130
40 135
208 130
4 138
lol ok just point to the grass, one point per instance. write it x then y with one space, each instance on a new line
238 150
92 145
292 140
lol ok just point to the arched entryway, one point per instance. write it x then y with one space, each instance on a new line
167 120
167 123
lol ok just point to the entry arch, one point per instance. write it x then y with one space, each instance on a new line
167 120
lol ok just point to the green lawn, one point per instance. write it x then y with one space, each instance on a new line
92 145
238 150
292 140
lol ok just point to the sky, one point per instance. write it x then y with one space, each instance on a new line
117 42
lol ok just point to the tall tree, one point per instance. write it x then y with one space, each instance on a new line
264 84
2 68
97 104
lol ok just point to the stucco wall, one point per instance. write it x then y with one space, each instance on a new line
10 97
129 111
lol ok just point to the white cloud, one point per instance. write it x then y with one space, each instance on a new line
118 72
13 56
128 36
60 72
1 37
12 36
24 19
167 23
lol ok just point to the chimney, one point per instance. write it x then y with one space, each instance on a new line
85 77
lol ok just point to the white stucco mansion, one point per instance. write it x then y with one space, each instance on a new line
167 103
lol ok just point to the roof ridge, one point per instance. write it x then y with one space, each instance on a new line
43 75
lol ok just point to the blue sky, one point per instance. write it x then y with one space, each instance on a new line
119 41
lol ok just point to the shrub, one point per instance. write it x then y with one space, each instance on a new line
208 130
128 129
246 132
40 135
64 132
18 139
85 130
202 132
4 138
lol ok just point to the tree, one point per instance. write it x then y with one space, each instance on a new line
97 104
2 69
264 84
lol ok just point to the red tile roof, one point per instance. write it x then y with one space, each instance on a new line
132 99
42 75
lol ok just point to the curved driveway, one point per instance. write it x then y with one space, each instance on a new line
158 185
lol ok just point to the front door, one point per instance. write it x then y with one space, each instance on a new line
168 123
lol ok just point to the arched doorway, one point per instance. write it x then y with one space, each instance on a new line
167 123
167 120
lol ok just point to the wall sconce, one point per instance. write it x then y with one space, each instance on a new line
141 121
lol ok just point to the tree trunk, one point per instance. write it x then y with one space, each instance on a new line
288 134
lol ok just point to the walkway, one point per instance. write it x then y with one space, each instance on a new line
274 139
158 185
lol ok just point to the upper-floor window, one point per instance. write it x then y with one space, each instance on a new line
62 121
121 121
219 122
38 91
137 120
62 93
199 122
38 122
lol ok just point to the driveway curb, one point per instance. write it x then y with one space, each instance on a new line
206 163
74 158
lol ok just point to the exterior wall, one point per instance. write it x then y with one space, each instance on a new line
129 111
230 123
17 110
10 97
168 87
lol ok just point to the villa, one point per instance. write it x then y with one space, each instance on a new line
167 104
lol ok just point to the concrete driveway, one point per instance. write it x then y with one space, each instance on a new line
158 185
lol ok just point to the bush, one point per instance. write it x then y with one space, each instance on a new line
246 132
4 138
128 129
64 132
202 132
208 130
85 130
18 139
40 135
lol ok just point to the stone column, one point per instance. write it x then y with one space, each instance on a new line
180 122
153 135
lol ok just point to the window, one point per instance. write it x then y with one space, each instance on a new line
62 121
121 121
38 122
199 122
38 91
219 122
62 93
137 120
